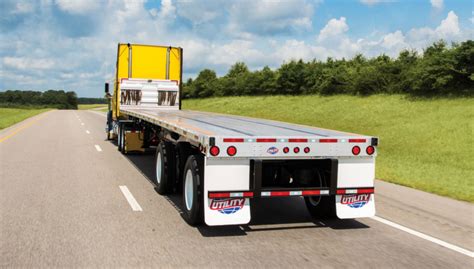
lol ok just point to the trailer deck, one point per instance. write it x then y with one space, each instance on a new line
200 126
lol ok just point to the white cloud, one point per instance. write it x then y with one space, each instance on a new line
201 12
333 29
271 17
167 11
22 63
448 29
23 8
449 26
394 40
78 7
438 4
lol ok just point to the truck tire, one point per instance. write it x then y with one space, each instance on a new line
119 138
123 142
192 190
164 168
109 125
321 207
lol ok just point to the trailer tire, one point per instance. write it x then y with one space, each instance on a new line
193 200
164 167
321 207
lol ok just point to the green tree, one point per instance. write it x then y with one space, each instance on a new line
205 83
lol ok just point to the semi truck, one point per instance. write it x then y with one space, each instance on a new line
221 164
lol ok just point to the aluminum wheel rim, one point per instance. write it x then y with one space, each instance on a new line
122 139
188 190
158 168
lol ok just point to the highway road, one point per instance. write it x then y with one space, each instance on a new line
62 204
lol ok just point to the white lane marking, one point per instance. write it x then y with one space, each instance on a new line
87 132
130 199
424 236
97 147
82 123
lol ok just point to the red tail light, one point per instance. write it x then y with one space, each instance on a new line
214 151
370 150
231 151
306 150
356 150
296 150
286 150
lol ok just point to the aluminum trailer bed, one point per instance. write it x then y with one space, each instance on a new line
201 126
265 147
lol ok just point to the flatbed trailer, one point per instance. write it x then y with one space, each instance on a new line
221 163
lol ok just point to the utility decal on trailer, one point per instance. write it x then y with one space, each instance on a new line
228 205
355 200
272 150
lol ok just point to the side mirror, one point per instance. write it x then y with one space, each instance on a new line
106 87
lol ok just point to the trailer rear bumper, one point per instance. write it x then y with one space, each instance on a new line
228 198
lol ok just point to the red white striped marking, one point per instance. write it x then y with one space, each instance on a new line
358 140
327 140
355 191
233 140
293 140
297 140
266 140
246 194
294 193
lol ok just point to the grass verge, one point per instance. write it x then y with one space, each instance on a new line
91 106
424 144
10 116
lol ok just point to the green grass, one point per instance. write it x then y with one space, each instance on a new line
10 116
424 144
91 106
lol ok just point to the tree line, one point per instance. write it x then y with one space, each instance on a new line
91 100
441 70
51 98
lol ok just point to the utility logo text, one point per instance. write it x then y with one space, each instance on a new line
228 205
355 200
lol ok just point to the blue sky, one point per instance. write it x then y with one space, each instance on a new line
71 44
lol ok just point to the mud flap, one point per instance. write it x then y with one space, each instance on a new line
226 175
350 206
227 211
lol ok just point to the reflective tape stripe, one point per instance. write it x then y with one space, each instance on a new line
315 192
355 191
246 194
295 193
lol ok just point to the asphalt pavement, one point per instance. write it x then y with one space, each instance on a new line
63 204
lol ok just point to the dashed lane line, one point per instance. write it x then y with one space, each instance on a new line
130 199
